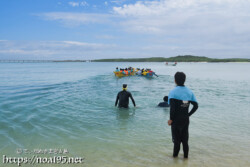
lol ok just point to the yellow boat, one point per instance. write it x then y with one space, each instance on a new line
121 74
148 74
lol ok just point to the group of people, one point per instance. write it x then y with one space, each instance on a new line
179 100
138 71
126 71
142 71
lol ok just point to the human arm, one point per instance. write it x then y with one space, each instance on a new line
172 110
155 74
195 107
132 99
117 98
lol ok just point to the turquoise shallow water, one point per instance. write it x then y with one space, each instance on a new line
71 105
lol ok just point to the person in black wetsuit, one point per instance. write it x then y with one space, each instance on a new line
179 99
164 103
123 98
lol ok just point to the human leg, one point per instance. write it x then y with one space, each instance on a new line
184 140
176 140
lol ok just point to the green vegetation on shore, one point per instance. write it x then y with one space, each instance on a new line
185 58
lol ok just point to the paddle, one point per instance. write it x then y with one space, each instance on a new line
156 75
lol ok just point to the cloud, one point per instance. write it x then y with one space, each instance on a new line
118 2
207 27
167 16
105 37
51 49
74 4
214 28
76 19
61 50
77 4
170 16
163 7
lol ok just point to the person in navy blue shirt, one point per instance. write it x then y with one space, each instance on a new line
123 98
164 103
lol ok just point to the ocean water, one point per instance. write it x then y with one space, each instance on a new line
71 106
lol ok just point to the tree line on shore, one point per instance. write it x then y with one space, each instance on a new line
184 58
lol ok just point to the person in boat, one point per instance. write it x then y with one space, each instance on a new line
153 73
129 71
150 71
123 98
142 71
164 103
126 71
123 71
117 70
179 99
138 72
132 69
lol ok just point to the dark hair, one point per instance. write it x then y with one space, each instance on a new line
165 98
180 78
124 85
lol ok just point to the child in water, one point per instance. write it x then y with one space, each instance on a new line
164 103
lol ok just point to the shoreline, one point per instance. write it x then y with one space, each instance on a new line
52 61
178 59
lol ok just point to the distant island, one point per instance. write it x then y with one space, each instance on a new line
181 58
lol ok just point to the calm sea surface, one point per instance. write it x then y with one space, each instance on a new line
71 106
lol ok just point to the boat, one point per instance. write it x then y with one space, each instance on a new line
138 72
171 64
148 73
125 73
121 74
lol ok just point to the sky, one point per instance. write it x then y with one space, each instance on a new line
97 29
